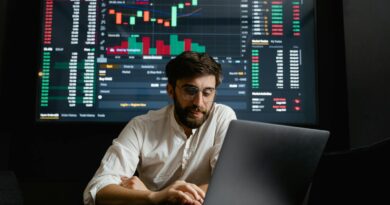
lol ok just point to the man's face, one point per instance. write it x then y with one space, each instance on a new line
193 99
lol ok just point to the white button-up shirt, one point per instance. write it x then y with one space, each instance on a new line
156 146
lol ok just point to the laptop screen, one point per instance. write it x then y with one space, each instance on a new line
263 163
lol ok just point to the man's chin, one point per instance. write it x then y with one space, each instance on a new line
194 123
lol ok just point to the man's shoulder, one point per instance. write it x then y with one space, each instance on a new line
223 112
222 108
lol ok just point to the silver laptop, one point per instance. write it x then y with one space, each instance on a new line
265 164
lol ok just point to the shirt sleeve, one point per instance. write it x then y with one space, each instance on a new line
224 116
121 159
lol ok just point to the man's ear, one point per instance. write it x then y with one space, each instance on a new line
170 90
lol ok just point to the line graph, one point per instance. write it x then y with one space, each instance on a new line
168 27
148 13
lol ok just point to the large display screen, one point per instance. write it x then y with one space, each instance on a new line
104 60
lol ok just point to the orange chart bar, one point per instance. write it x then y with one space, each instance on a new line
146 16
118 18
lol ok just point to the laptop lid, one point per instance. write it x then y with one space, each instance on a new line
265 164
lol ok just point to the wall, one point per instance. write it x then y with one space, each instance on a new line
367 32
4 139
333 110
60 164
2 31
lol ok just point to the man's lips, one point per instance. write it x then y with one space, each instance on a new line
196 114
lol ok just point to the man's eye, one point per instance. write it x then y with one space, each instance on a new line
207 92
191 91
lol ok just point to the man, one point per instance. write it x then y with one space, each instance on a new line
174 149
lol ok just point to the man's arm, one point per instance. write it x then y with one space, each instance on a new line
116 195
179 192
135 183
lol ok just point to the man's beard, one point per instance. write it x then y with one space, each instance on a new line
184 115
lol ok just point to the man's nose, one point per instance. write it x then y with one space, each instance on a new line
198 99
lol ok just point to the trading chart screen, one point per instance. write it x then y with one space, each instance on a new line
104 60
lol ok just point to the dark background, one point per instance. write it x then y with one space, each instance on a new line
54 163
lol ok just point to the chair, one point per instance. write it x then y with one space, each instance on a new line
10 193
356 176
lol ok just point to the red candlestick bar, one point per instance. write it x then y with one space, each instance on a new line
146 45
187 44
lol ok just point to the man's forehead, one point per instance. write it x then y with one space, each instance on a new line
198 81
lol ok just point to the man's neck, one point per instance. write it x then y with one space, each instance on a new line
187 130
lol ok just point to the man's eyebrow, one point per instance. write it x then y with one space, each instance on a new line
188 85
193 86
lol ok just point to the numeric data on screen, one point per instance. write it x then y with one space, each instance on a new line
104 60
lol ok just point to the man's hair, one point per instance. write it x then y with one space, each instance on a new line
191 64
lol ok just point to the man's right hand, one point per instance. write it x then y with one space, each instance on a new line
180 192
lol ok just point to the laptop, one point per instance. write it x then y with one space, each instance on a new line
265 164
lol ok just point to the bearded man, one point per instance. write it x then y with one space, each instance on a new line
173 150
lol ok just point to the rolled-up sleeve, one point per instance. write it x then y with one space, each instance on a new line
121 159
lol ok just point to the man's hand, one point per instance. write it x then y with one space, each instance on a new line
179 192
133 183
